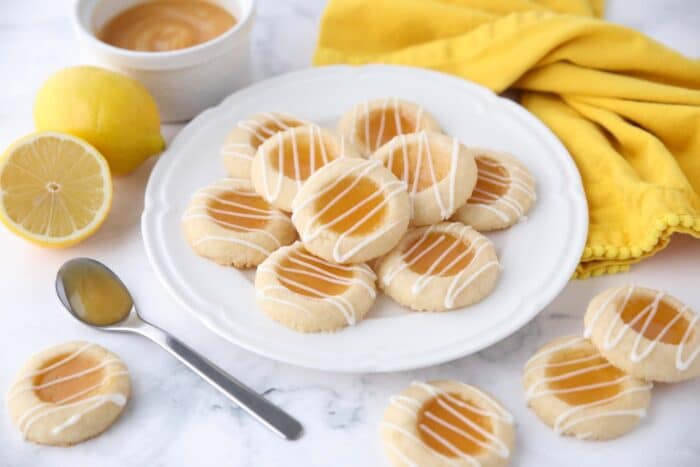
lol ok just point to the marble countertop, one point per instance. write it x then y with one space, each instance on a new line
176 419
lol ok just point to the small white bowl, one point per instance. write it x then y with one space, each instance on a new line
186 81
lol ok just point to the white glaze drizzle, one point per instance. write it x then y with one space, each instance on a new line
215 192
244 151
412 407
259 132
43 409
567 419
94 402
364 118
362 276
425 157
505 206
462 279
116 399
314 227
637 354
272 194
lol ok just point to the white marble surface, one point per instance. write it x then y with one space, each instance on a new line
175 419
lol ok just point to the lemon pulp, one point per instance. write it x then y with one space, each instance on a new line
55 189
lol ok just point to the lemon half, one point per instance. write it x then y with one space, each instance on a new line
55 189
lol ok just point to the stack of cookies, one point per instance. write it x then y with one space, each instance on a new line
387 200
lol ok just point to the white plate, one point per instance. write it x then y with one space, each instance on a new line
538 255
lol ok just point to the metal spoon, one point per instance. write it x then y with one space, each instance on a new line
94 294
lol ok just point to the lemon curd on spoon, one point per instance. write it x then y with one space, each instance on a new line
94 294
165 25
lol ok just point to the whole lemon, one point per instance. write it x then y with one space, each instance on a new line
112 112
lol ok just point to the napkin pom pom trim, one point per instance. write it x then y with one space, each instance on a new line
661 228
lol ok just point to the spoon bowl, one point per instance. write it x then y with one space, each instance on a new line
93 293
95 296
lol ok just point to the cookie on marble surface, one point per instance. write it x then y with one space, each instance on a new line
645 332
440 267
577 392
245 138
351 211
503 195
447 423
439 171
68 393
373 123
284 162
309 294
230 224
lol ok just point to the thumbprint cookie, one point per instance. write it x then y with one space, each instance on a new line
284 162
447 423
440 267
230 224
503 195
244 139
577 392
351 211
440 173
646 333
68 393
309 294
372 124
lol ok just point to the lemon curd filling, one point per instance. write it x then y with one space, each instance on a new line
664 324
313 277
164 25
423 170
270 128
361 210
302 155
490 185
239 211
383 125
441 253
582 377
74 379
450 420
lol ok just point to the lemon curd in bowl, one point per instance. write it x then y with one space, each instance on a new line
195 61
166 25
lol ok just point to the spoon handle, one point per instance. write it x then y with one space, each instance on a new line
254 404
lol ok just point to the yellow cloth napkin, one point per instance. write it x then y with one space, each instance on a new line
626 107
